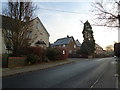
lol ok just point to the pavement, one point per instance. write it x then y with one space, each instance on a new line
19 70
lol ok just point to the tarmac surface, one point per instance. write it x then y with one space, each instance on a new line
85 73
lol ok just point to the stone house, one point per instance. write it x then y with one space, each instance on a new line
38 29
67 43
35 30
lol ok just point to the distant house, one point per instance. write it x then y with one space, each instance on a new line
98 49
67 43
35 29
78 44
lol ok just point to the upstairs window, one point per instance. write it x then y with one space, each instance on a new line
74 46
63 45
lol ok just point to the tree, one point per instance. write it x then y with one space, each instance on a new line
20 13
108 13
110 49
88 45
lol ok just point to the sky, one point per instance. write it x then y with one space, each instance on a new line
59 24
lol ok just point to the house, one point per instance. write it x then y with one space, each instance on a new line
35 30
98 49
38 29
67 43
78 44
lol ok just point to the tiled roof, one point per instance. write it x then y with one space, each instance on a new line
9 23
78 43
62 41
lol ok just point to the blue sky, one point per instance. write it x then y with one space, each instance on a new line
60 24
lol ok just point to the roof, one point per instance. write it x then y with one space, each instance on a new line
98 45
9 23
62 41
78 43
40 42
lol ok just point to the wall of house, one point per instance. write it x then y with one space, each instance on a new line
39 31
70 47
98 50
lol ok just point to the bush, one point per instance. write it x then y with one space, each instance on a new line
101 55
36 53
56 53
51 53
31 59
5 60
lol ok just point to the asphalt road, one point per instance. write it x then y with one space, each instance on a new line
81 74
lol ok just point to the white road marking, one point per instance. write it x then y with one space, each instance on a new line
97 80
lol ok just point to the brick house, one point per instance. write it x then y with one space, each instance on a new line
98 49
78 44
67 43
35 29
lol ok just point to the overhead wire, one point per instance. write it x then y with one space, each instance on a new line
60 10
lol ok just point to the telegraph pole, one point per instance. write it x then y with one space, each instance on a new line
118 21
119 13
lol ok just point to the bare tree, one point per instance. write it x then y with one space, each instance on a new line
17 35
108 13
109 48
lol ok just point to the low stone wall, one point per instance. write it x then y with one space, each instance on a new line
16 61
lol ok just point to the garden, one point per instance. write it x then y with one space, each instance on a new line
33 55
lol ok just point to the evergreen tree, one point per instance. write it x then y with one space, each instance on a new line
88 45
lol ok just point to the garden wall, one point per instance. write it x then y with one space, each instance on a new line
16 61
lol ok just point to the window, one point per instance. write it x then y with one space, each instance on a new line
63 45
74 46
63 51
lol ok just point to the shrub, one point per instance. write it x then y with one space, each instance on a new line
5 60
51 53
36 53
31 59
56 53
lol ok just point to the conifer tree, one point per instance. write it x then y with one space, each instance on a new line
88 45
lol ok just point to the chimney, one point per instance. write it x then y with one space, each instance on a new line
67 36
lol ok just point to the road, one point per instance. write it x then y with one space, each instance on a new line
86 73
